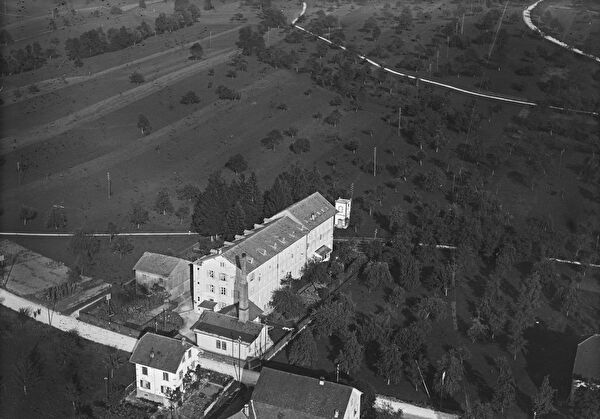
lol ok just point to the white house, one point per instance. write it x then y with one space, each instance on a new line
160 365
171 273
278 248
280 394
236 330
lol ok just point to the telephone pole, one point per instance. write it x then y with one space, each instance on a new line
374 161
108 182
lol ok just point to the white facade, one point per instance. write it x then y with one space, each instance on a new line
153 383
342 216
214 276
353 408
232 347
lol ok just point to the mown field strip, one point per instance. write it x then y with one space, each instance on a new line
106 106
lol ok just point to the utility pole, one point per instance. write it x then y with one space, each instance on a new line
399 119
108 180
374 161
337 372
462 25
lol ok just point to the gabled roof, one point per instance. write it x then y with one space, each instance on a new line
227 327
283 393
265 242
233 310
311 211
587 359
160 352
158 264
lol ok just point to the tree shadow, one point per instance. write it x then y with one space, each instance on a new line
484 391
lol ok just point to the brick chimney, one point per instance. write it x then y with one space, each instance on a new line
243 310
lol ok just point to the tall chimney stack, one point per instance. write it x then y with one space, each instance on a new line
243 310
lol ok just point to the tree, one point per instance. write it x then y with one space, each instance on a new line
389 363
189 98
250 42
405 19
504 391
234 221
272 139
377 274
569 298
84 247
181 213
226 93
29 370
277 198
410 272
333 315
432 307
287 303
121 246
144 125
351 146
302 350
196 51
542 401
333 118
136 78
27 214
188 192
478 330
138 215
450 371
237 164
351 356
301 145
163 203
516 340
397 218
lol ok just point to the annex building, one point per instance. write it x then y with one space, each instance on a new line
278 248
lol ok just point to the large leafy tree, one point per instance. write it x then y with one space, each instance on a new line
138 215
542 401
209 212
505 388
302 350
234 221
277 198
351 356
288 303
84 247
333 316
377 274
450 371
163 203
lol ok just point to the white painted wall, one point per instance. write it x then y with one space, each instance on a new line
381 402
353 409
208 343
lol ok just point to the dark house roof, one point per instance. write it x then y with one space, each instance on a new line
210 305
233 310
265 242
311 211
159 352
158 264
587 359
295 396
227 326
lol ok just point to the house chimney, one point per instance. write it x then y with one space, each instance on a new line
182 341
243 311
322 381
247 410
151 354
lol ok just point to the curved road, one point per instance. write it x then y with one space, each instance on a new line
529 23
495 97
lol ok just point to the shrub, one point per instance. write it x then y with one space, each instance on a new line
136 78
301 145
228 94
189 98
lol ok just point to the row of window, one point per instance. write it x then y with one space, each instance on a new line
221 344
222 276
211 288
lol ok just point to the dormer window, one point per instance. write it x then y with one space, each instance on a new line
262 251
281 240
273 246
251 260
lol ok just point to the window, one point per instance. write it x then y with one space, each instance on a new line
198 298
221 345
211 274
251 277
144 371
164 389
189 353
222 264
211 288
145 384
165 376
222 277
223 291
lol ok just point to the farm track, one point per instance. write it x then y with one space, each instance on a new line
490 96
106 106
52 85
531 25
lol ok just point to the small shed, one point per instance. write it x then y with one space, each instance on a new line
171 273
